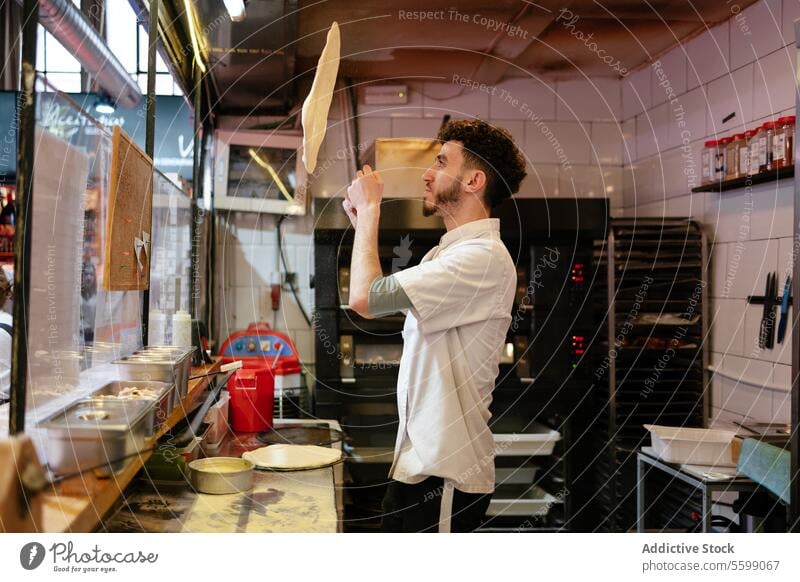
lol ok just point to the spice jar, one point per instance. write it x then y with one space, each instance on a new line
760 158
783 142
709 160
765 135
747 153
721 164
755 151
732 156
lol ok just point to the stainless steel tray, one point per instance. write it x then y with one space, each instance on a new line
163 399
182 359
172 366
96 432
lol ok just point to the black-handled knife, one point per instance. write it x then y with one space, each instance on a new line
772 294
765 327
787 289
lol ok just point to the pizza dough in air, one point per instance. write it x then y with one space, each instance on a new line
318 102
292 457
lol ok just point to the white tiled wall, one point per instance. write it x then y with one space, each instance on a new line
582 115
621 139
247 259
743 66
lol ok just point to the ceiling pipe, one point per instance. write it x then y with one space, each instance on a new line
64 21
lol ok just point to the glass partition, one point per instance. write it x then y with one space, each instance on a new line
170 265
73 323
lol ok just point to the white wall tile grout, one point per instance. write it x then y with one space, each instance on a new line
724 71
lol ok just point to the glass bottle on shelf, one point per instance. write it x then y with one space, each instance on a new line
765 135
755 151
721 164
748 153
732 156
709 160
783 142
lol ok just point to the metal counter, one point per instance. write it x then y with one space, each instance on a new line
303 501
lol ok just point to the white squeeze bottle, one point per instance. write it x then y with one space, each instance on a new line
182 329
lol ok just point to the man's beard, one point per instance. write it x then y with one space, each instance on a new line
448 197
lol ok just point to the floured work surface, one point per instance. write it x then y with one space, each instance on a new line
301 501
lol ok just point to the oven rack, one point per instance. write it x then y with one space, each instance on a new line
652 267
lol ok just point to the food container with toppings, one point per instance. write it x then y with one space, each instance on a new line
96 433
160 393
158 364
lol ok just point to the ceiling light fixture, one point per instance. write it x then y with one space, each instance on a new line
193 34
103 105
235 9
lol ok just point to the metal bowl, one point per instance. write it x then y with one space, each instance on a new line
221 475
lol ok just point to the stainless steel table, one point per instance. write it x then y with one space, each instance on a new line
690 474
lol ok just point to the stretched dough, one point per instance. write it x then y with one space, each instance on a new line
318 102
286 457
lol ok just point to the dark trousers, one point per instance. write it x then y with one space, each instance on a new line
415 508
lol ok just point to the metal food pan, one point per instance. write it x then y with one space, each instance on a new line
140 370
159 366
181 358
96 432
163 398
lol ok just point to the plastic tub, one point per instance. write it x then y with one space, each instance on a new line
520 500
692 446
536 440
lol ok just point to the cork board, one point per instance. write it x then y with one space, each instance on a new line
130 210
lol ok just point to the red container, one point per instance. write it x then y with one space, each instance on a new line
252 391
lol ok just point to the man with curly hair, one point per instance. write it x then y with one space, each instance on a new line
458 304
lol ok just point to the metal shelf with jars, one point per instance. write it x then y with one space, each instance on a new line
759 155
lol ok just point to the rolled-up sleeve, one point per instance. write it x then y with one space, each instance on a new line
458 287
386 296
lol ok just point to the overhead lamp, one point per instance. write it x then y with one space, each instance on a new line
235 9
104 106
194 36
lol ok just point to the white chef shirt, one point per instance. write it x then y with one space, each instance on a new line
5 356
461 294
